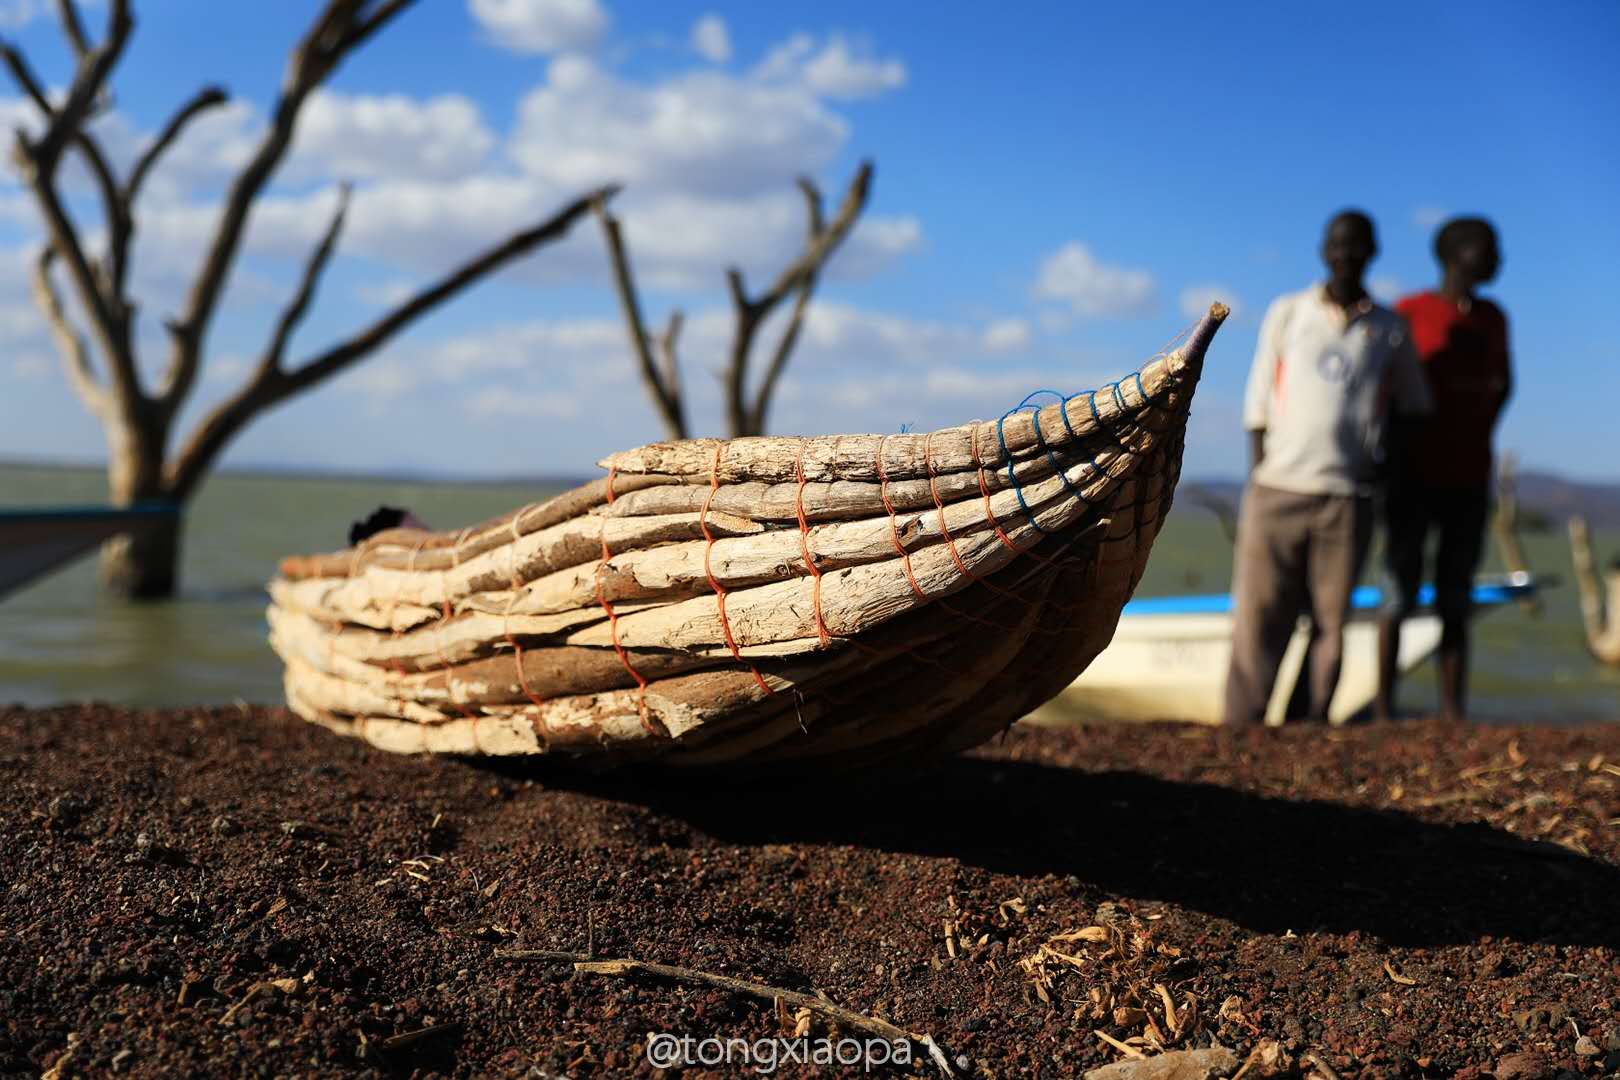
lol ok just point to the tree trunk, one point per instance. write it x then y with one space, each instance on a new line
144 565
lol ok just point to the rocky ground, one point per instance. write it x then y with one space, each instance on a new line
232 892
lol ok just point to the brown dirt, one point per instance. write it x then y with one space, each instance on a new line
1397 901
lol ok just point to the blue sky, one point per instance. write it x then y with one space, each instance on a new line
1056 186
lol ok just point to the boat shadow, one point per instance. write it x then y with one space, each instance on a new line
1268 864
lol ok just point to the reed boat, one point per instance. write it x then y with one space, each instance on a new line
789 601
1169 656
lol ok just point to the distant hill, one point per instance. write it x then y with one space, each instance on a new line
1545 500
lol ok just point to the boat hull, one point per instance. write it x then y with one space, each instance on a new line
1169 657
1173 667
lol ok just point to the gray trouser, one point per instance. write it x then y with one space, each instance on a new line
1295 553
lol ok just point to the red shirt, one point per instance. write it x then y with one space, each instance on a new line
1465 355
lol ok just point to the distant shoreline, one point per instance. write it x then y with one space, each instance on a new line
1551 496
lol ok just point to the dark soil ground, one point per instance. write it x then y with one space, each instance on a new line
1403 900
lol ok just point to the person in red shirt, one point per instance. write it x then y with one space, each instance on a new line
1440 469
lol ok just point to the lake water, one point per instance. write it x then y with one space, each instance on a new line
60 640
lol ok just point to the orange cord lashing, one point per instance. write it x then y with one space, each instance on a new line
444 617
714 583
950 546
984 489
939 507
514 585
398 666
804 546
613 621
894 524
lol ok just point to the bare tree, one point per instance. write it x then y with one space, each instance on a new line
1600 604
139 421
746 407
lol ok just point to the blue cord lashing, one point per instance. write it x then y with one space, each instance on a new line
1051 456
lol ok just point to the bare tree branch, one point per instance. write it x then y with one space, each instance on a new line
37 162
100 171
342 25
296 309
664 394
73 28
270 385
827 241
206 98
812 201
779 359
379 18
745 418
672 368
790 334
70 343
88 82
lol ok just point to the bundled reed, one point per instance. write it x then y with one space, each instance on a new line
779 600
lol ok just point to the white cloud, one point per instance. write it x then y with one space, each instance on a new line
839 68
15 14
582 358
682 241
540 26
709 157
501 404
31 366
1428 217
345 136
20 323
228 368
386 293
711 40
1007 335
1054 321
426 228
361 137
703 131
1093 288
1195 300
1385 288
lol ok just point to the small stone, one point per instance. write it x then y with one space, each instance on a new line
224 826
1215 1061
963 1062
143 843
1523 1065
64 810
1585 1047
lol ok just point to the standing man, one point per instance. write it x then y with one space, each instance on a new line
1329 365
1441 474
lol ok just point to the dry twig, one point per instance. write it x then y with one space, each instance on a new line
871 1025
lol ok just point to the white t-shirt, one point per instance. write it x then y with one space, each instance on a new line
1322 385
